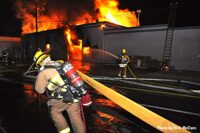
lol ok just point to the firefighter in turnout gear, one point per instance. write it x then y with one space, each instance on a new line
123 63
5 56
62 94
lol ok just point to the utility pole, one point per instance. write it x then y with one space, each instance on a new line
36 43
36 24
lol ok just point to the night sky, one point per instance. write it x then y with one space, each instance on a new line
153 12
156 11
10 25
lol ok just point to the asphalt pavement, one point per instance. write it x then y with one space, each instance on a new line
175 98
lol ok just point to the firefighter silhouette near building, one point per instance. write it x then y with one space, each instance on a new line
6 58
64 88
123 63
5 55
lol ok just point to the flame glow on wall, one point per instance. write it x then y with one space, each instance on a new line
75 45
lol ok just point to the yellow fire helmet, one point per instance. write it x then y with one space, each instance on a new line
123 51
39 56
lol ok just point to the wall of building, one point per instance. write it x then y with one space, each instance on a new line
94 37
149 41
186 49
137 41
8 42
146 41
54 37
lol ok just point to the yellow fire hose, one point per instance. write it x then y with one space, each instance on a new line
151 118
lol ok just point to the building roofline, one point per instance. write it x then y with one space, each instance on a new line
9 39
90 25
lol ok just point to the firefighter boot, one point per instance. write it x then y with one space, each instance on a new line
125 69
66 130
119 74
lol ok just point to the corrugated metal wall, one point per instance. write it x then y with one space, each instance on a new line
137 41
93 35
142 41
146 41
149 41
186 49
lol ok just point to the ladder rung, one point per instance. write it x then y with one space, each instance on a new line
166 56
167 49
169 35
168 41
167 52
168 46
170 31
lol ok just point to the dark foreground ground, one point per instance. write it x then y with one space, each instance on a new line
23 111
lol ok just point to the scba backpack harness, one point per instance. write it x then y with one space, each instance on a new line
72 89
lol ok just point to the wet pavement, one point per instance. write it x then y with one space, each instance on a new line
24 111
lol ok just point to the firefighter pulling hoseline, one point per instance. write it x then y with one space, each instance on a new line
65 90
123 63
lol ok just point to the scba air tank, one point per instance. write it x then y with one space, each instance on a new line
74 78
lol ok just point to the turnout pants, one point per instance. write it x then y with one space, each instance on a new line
74 113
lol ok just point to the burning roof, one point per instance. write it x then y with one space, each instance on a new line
54 14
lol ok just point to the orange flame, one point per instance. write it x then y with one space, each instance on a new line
102 26
85 18
86 50
75 45
107 10
50 18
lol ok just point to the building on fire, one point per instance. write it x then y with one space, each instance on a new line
109 39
